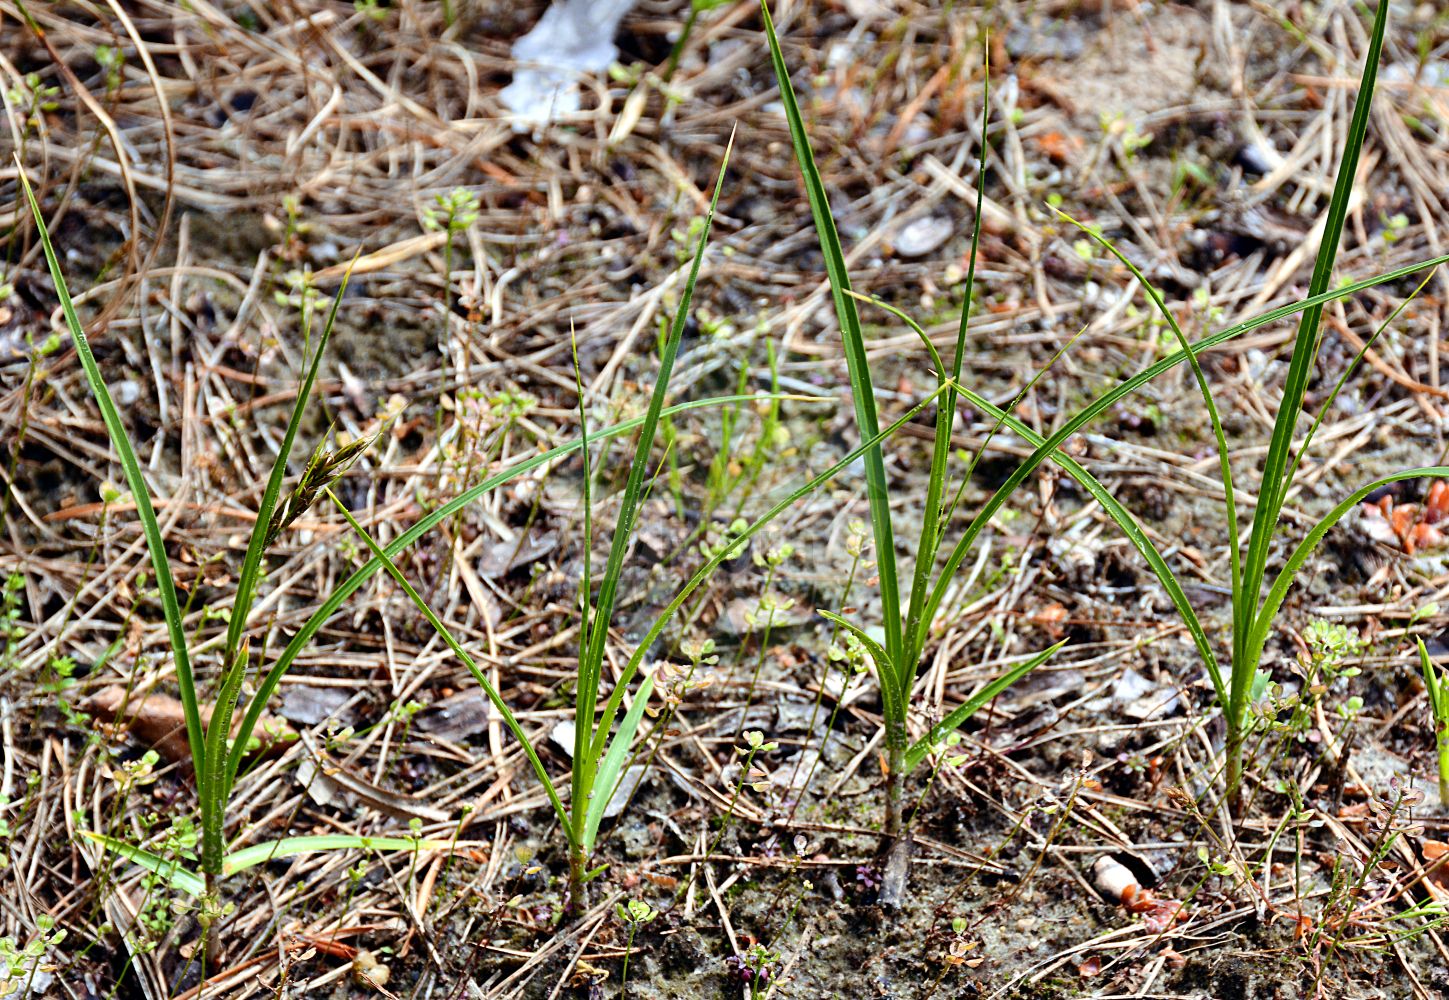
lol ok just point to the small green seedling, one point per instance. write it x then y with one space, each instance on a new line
1437 684
634 914
1255 612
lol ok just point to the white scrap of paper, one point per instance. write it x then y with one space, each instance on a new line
573 38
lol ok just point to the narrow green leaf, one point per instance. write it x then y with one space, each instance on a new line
1114 509
704 572
932 524
1275 482
974 704
135 482
1242 610
895 690
1326 406
591 662
422 526
176 875
608 777
862 390
478 675
1431 681
1284 580
256 547
257 854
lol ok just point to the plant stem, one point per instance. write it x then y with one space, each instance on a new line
895 779
624 973
1234 751
210 910
578 887
1443 739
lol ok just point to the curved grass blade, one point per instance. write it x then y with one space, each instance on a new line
1348 371
629 507
1225 467
177 876
1299 556
257 854
136 483
974 704
893 705
422 526
703 573
478 675
861 389
1275 483
591 659
1125 521
256 545
933 526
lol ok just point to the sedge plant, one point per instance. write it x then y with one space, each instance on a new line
208 720
600 751
907 624
1257 595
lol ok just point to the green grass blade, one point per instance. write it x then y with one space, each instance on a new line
213 787
1225 468
136 483
1431 682
932 528
256 547
176 875
583 734
1348 371
1305 346
861 388
591 660
422 526
974 704
710 565
607 780
447 636
1125 521
916 637
591 665
1284 580
288 847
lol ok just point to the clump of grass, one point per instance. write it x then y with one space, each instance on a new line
214 758
906 624
1254 612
